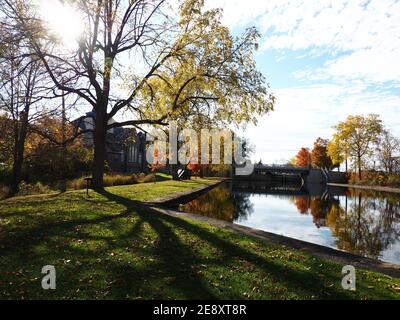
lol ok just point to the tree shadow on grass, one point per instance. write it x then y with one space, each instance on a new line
128 279
164 269
171 249
173 256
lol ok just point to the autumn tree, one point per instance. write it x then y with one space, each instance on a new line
303 158
338 152
319 155
135 59
6 144
388 151
358 135
44 159
23 89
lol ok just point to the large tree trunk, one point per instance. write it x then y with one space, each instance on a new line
16 172
359 168
201 171
391 167
101 121
100 135
19 151
63 186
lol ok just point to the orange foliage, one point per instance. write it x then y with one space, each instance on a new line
302 204
303 158
196 168
319 154
157 165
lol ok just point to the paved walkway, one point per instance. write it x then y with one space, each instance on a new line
185 196
370 188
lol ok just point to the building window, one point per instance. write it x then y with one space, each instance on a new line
132 154
140 157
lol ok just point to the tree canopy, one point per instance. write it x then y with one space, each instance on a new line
337 152
303 158
357 136
388 151
319 155
138 63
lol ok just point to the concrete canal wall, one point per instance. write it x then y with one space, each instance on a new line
369 188
294 175
318 176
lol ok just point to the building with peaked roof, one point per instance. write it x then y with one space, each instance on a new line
125 147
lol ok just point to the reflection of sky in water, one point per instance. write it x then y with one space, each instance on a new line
278 215
362 223
392 254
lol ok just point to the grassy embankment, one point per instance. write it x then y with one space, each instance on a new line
80 184
376 179
110 247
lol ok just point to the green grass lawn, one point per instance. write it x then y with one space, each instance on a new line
110 247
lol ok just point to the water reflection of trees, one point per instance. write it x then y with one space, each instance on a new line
362 223
221 204
365 224
243 206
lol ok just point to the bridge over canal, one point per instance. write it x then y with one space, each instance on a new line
305 175
280 169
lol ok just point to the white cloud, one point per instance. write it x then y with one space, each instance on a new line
239 12
305 113
360 39
375 65
302 24
367 32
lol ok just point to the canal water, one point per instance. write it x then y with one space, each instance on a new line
360 222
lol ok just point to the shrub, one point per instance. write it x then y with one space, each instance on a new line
374 178
26 189
79 184
76 184
5 173
109 181
4 190
149 178
393 181
119 180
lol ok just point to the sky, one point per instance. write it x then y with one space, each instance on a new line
324 60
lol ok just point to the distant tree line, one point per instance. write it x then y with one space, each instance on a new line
361 143
317 157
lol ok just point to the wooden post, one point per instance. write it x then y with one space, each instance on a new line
88 180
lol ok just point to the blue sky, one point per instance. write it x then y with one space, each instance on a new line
324 60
